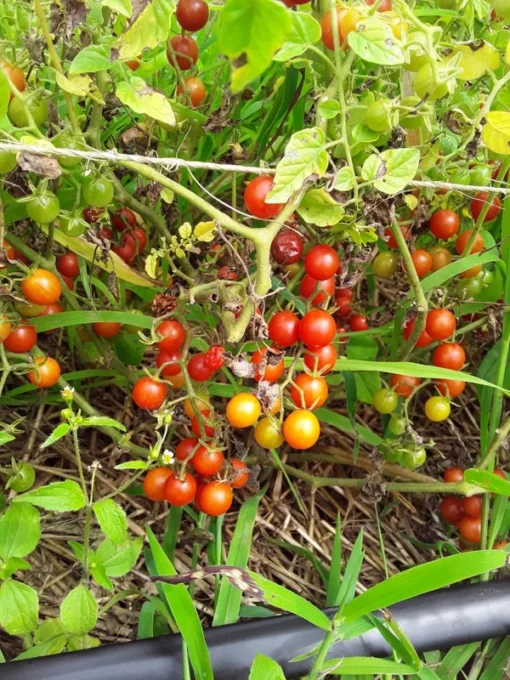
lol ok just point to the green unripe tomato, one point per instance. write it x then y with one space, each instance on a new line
486 276
67 140
423 84
461 176
43 208
391 453
72 225
418 53
23 477
7 162
466 289
413 459
98 192
380 116
481 175
397 425
38 108
385 401
418 119
385 265
466 100
28 309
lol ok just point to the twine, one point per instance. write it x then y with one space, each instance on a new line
173 164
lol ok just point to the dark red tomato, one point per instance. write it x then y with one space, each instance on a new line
154 483
424 338
68 265
274 365
186 52
69 282
449 355
227 274
463 240
287 247
170 362
317 328
180 491
209 430
341 330
13 255
192 15
470 528
309 285
123 218
255 198
207 462
451 509
172 335
148 394
199 369
453 475
185 448
106 329
444 224
422 261
344 293
106 233
385 5
390 238
133 64
309 391
473 506
140 237
321 262
54 308
478 203
92 215
440 324
216 498
500 473
321 359
240 473
358 322
404 385
21 339
284 329
195 89
450 388
344 309
126 250
215 357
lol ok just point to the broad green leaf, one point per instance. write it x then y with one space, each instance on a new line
305 31
264 668
474 62
361 133
392 170
19 608
13 565
78 611
91 59
132 465
145 100
54 645
256 30
78 643
367 385
373 41
20 530
320 208
361 664
112 520
423 579
48 629
344 179
487 480
496 132
59 497
59 432
120 6
362 346
303 157
5 93
150 28
117 560
328 109
102 421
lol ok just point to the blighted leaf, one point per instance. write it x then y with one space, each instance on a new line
78 611
59 497
205 231
120 6
305 31
253 30
328 109
496 132
373 41
90 60
19 608
145 100
392 170
320 208
150 28
44 166
304 157
345 179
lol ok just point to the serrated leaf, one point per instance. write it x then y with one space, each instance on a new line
496 132
118 560
120 6
345 179
59 432
185 230
304 156
256 30
112 520
305 31
205 231
91 59
78 611
19 608
373 41
392 170
145 100
20 530
151 27
132 465
264 668
328 109
320 208
59 497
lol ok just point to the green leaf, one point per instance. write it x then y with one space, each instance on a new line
145 629
78 643
145 100
335 570
78 611
487 480
303 157
392 170
91 59
320 208
373 41
397 639
20 531
54 645
59 497
342 423
46 323
205 231
59 432
102 421
117 560
347 588
344 179
256 30
151 27
329 109
455 660
423 579
19 608
48 629
6 438
367 385
13 565
5 94
305 31
120 6
112 520
444 274
132 465
362 664
264 668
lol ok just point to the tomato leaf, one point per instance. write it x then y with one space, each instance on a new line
392 170
59 432
91 59
120 6
264 668
305 31
496 132
320 208
150 28
145 100
373 41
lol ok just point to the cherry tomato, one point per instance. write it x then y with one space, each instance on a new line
202 403
308 286
317 328
449 355
473 506
444 224
240 472
140 237
180 492
451 509
195 89
97 192
106 329
385 401
397 425
437 409
227 274
192 15
500 473
422 261
169 361
198 368
207 462
41 287
358 322
309 391
126 250
478 203
347 20
37 106
385 5
23 477
172 335
43 208
154 483
15 75
322 262
243 410
413 458
440 258
287 247
404 385
46 374
7 162
215 357
284 329
390 237
467 289
216 498
471 272
186 52
255 198
272 371
185 448
301 429
122 218
321 359
268 434
21 339
470 528
148 394
68 265
385 265
92 215
5 327
209 430
424 338
440 324
500 545
463 240
450 388
453 475
425 86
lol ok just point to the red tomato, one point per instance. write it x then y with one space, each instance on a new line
287 247
227 274
170 362
358 322
140 238
41 287
207 462
240 473
122 218
126 250
92 215
216 498
106 329
199 369
192 15
68 265
321 262
390 238
453 475
449 355
46 374
441 324
309 391
308 286
473 506
49 310
385 5
424 338
321 359
463 239
172 335
195 89
346 20
273 371
185 448
186 52
15 75
284 329
255 198
404 385
478 203
148 394
450 388
500 473
451 509
154 483
444 224
209 430
215 357
470 528
344 294
422 261
317 328
21 339
180 491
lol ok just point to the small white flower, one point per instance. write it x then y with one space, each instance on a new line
67 393
167 457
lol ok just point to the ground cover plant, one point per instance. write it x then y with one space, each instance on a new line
254 314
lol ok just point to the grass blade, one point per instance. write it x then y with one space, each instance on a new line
496 668
347 589
361 664
146 622
173 526
455 660
335 570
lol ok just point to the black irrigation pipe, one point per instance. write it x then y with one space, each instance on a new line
437 620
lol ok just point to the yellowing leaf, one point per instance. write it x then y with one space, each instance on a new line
149 30
492 56
81 86
151 264
167 195
474 62
185 230
496 132
144 99
205 231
